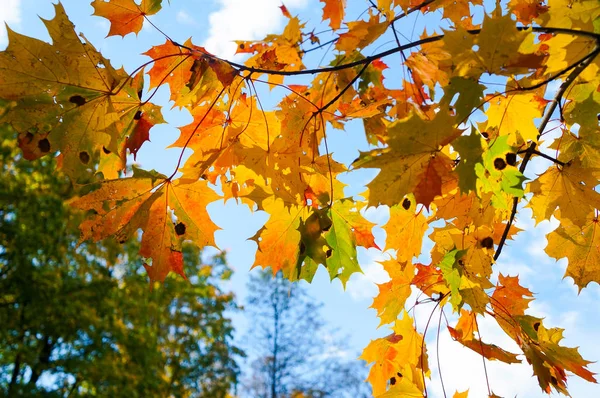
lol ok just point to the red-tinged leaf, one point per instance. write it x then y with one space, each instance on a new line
172 65
333 10
489 351
510 297
34 146
141 134
160 242
285 11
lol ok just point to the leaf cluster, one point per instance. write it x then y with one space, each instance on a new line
451 140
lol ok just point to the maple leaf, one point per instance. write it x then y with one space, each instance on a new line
527 10
333 10
399 355
580 244
569 188
497 175
278 154
413 162
67 97
125 16
470 150
348 228
360 34
405 229
490 351
464 394
146 201
464 334
392 296
514 115
279 239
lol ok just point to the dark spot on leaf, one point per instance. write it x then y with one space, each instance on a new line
138 115
29 137
328 253
485 135
406 204
44 145
302 248
242 46
84 157
536 326
106 151
487 243
180 229
399 374
393 380
327 228
499 164
122 241
77 100
511 158
461 262
553 380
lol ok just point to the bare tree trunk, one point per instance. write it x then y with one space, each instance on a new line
17 364
43 360
275 349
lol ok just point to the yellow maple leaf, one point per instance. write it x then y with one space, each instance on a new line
393 294
569 188
514 115
405 229
581 246
398 355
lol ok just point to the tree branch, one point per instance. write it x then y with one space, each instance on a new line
531 150
538 153
382 54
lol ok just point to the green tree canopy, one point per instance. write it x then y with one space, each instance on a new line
82 320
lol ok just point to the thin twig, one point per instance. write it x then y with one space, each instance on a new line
538 153
487 379
531 150
383 54
437 353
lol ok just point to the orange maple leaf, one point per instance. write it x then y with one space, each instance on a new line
125 16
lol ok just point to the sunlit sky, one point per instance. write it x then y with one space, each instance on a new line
214 24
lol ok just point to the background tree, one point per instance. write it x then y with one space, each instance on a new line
82 320
291 350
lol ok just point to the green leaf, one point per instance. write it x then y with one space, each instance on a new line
470 150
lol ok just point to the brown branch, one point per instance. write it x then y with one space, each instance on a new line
410 11
538 153
383 54
531 150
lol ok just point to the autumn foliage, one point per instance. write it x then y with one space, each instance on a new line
451 141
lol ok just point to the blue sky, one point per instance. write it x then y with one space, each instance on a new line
213 24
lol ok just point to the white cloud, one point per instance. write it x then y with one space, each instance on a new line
184 18
10 13
363 286
244 20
